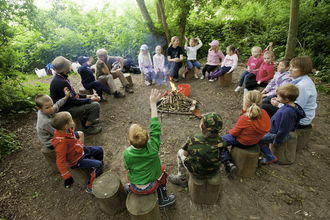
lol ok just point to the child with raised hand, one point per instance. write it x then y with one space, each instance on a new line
159 64
201 154
46 109
249 129
253 65
228 65
213 56
71 152
281 77
191 55
265 72
141 160
145 65
286 119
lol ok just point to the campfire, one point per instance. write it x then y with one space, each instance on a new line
175 102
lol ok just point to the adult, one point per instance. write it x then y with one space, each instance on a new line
78 105
299 69
174 55
106 76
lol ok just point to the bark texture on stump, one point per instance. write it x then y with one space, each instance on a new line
204 191
286 152
190 74
143 207
77 121
303 136
80 176
226 79
50 156
246 160
129 78
110 193
82 90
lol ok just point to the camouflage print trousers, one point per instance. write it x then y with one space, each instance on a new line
182 170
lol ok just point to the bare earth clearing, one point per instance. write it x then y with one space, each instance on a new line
30 190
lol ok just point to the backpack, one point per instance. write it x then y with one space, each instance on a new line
49 69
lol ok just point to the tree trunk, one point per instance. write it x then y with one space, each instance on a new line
293 30
146 17
159 16
183 20
163 17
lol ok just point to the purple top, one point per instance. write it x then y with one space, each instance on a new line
278 80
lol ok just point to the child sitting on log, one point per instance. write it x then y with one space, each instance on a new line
71 152
286 119
249 129
145 65
46 108
201 154
159 64
145 174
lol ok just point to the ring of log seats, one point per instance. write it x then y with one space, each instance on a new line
110 193
84 91
204 191
246 160
50 156
128 78
190 74
226 79
143 207
78 126
286 152
303 136
80 175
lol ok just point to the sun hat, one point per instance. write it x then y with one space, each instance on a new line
144 47
61 64
214 43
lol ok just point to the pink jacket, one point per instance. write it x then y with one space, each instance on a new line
213 58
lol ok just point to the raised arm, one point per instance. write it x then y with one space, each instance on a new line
154 97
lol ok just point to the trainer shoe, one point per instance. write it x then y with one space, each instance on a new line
175 79
92 130
202 77
89 190
118 95
147 83
96 121
211 80
239 88
230 168
175 179
129 89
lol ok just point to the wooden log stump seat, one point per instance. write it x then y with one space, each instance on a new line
82 90
303 136
226 79
190 74
129 78
204 191
77 121
286 152
246 160
110 193
50 156
80 176
143 207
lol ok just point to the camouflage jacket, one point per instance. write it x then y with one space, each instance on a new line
204 155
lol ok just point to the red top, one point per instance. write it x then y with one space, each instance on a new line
265 72
68 151
250 132
254 63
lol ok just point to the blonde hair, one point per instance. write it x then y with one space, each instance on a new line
216 49
270 53
288 91
137 136
172 40
253 99
258 49
60 119
41 99
158 46
194 40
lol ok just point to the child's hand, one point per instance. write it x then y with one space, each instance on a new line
270 44
66 93
258 82
197 38
95 98
100 61
263 92
185 38
68 182
274 102
154 96
264 95
90 61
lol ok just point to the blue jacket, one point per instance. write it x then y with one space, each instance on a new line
86 74
59 82
286 119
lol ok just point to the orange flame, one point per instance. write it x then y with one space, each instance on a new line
172 85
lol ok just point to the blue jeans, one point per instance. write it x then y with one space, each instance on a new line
231 141
269 138
192 63
245 76
144 189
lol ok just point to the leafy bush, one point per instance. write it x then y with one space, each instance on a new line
8 143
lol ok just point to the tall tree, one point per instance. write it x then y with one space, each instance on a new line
146 17
293 30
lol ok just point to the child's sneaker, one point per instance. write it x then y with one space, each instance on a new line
239 88
147 83
175 179
245 91
164 81
89 190
90 130
230 168
211 80
202 77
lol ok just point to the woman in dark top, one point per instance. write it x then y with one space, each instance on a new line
174 55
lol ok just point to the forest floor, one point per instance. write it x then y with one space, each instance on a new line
30 190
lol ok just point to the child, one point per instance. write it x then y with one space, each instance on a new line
249 129
141 160
145 65
253 65
192 54
88 79
201 154
286 119
174 54
280 78
46 108
212 58
159 63
265 72
71 152
228 65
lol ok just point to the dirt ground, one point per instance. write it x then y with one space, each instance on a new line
30 190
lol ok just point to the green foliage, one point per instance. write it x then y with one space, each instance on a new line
8 143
